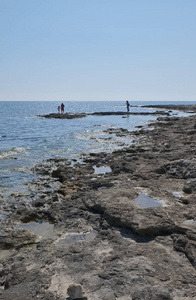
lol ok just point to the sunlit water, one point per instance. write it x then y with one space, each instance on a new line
26 139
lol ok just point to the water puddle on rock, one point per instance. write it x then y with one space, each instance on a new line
102 170
77 161
43 229
145 201
72 238
178 194
190 222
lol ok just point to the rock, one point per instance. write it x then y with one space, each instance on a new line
64 116
127 297
183 169
76 291
122 165
184 298
17 238
62 173
153 293
189 186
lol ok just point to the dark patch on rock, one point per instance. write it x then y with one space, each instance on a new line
189 186
183 169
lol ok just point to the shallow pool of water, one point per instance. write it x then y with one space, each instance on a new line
178 194
43 229
74 237
102 170
145 201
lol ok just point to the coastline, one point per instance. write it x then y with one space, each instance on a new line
99 236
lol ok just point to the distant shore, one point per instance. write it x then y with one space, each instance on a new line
181 107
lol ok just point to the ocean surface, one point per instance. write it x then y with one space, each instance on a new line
26 139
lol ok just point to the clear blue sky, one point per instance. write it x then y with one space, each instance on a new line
98 50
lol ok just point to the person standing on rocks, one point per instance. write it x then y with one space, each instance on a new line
128 105
62 108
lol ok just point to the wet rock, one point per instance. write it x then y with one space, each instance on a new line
100 183
76 291
119 166
180 243
27 215
17 238
118 132
167 120
189 186
183 169
187 246
153 293
191 132
62 173
127 297
64 116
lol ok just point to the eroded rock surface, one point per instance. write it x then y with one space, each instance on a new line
101 238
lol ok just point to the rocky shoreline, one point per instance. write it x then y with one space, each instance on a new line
116 226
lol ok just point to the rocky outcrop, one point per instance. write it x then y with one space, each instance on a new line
64 116
88 238
183 169
189 186
108 113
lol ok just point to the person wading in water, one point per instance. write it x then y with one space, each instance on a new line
128 105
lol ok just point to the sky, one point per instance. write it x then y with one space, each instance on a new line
98 50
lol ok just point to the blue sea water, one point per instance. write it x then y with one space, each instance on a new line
26 139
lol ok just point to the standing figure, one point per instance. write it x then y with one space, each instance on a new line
128 105
62 108
59 109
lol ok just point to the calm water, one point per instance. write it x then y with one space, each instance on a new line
26 139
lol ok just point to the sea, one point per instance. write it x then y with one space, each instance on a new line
26 139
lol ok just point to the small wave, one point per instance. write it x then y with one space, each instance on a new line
12 152
57 151
23 169
92 134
